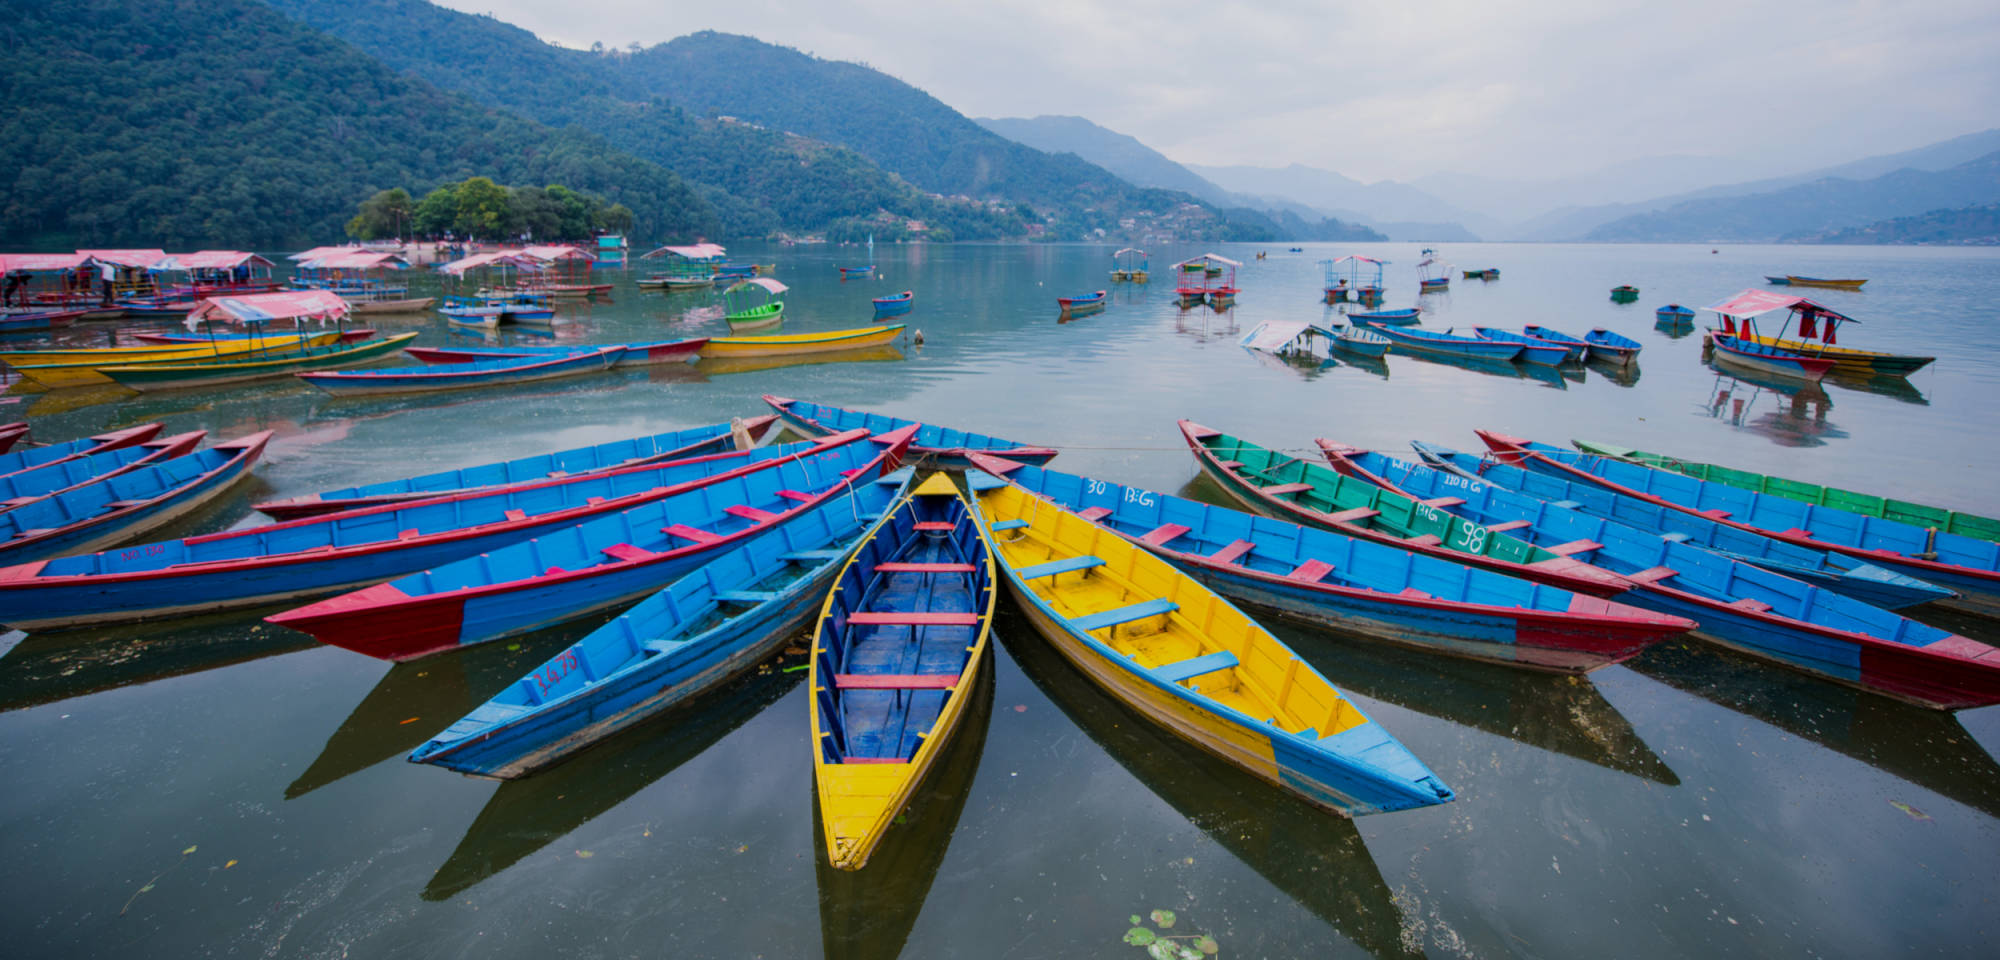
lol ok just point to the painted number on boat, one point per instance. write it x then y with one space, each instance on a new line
149 550
555 670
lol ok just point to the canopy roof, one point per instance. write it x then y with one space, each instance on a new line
1360 259
1754 302
266 307
40 262
769 285
1209 258
136 259
554 252
209 260
317 252
357 259
1129 250
699 251
511 258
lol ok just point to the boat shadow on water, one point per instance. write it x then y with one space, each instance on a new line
870 912
1928 748
1316 858
45 668
525 815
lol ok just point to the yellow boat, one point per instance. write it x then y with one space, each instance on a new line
83 373
1188 660
896 657
148 353
1860 363
723 366
796 343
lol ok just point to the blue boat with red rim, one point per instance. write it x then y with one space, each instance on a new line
430 378
1533 350
69 473
942 448
36 457
895 306
1613 348
1087 300
120 508
1447 343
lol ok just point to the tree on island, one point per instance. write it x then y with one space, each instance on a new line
478 208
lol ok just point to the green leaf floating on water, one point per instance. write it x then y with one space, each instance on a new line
1136 920
1139 936
1206 944
1163 950
1165 918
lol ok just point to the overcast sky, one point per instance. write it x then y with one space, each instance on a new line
1388 90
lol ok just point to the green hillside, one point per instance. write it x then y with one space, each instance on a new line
224 123
1974 225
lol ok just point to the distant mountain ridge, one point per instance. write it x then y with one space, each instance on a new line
1817 207
1977 225
1119 153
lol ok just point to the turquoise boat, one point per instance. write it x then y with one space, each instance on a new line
694 634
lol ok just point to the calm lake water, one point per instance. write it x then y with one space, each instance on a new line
1691 803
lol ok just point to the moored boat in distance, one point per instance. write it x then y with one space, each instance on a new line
1357 339
1403 317
599 458
1533 350
896 656
1674 313
1189 661
1818 335
1613 348
942 448
1371 589
1575 345
499 371
635 354
692 635
895 306
150 377
1449 344
1793 280
1087 300
791 344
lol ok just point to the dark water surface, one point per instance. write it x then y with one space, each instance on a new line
1691 803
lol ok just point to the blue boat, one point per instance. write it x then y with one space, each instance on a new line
637 451
1374 590
1674 313
501 371
941 448
636 354
1532 350
1611 347
1081 303
33 458
1575 345
896 656
1738 605
69 473
1448 344
1830 571
1778 281
1968 565
1403 317
856 273
309 557
602 563
123 507
895 306
692 635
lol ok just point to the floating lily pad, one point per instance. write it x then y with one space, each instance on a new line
1165 918
1207 945
1140 936
1136 920
1163 950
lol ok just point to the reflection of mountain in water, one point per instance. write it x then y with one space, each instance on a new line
1312 856
1926 747
524 815
45 668
1560 714
868 913
415 700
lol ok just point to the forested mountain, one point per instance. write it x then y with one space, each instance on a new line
1972 225
758 180
1119 153
1821 206
225 123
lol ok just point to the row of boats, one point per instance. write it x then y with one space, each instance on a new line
720 548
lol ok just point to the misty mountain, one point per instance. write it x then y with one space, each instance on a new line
1119 153
1979 224
1375 203
1820 206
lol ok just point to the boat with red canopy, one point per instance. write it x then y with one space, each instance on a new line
1818 336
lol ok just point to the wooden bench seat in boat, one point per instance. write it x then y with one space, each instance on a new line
1163 534
1112 618
1443 502
626 551
1575 547
1233 552
1053 567
1282 489
1311 571
932 526
895 681
1354 515
899 567
1195 666
898 619
1426 540
750 513
1509 525
1094 514
686 532
1009 524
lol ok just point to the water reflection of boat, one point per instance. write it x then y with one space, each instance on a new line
1626 375
1886 385
1492 368
869 913
723 366
1560 714
45 669
414 701
1799 419
1316 859
525 815
1925 747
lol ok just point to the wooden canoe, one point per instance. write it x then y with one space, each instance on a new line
62 476
220 346
1425 341
1861 363
1611 347
1533 349
496 372
346 335
577 462
1189 661
1737 352
636 354
757 317
81 373
121 508
605 562
11 433
799 343
313 556
38 457
1888 508
694 634
1309 493
148 378
1370 589
896 655
942 448
1575 345
1765 614
1968 565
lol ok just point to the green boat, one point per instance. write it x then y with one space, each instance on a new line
1313 494
1868 505
742 316
146 377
